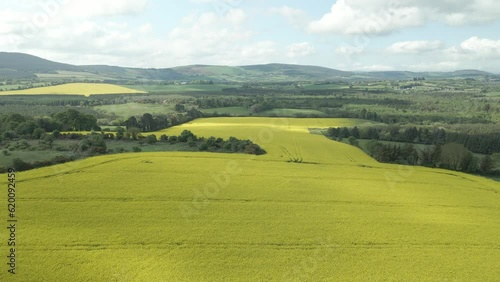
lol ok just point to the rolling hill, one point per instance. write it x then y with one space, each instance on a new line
24 66
339 215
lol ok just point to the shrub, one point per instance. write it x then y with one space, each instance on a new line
136 149
56 133
93 144
191 143
20 165
151 139
353 141
172 139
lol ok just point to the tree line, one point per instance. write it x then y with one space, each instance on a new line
15 125
481 143
442 154
148 123
96 144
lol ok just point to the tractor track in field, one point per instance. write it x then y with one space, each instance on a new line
183 244
250 201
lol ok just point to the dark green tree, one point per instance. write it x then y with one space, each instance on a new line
487 164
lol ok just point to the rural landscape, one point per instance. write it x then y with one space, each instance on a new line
237 140
253 173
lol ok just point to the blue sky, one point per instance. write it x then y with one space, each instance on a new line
425 35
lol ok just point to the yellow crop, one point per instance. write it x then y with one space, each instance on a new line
86 89
178 216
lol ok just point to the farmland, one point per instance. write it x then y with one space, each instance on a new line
85 89
178 88
127 110
336 215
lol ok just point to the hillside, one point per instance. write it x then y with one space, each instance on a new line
21 65
404 75
24 66
337 215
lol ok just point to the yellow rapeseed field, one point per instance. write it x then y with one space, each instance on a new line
178 216
86 89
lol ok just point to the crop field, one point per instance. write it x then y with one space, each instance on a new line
227 110
72 75
324 86
311 209
292 112
130 109
86 89
178 88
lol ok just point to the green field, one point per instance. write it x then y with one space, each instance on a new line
15 86
274 112
72 75
131 109
178 88
325 86
33 156
178 216
227 110
86 89
493 94
291 112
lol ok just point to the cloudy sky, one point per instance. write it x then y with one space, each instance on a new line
416 35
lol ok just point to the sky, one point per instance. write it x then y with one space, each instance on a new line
351 35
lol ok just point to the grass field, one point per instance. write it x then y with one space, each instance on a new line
227 110
291 112
33 156
325 86
86 89
72 74
131 109
178 88
274 112
339 215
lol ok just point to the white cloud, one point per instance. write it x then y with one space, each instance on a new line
296 17
375 68
348 50
300 49
377 17
208 37
415 47
98 8
481 47
221 7
236 16
473 53
439 66
264 49
353 18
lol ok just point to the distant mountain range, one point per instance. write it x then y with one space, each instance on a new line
25 66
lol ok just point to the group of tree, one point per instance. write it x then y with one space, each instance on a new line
487 143
15 125
211 144
96 144
20 165
452 156
148 123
